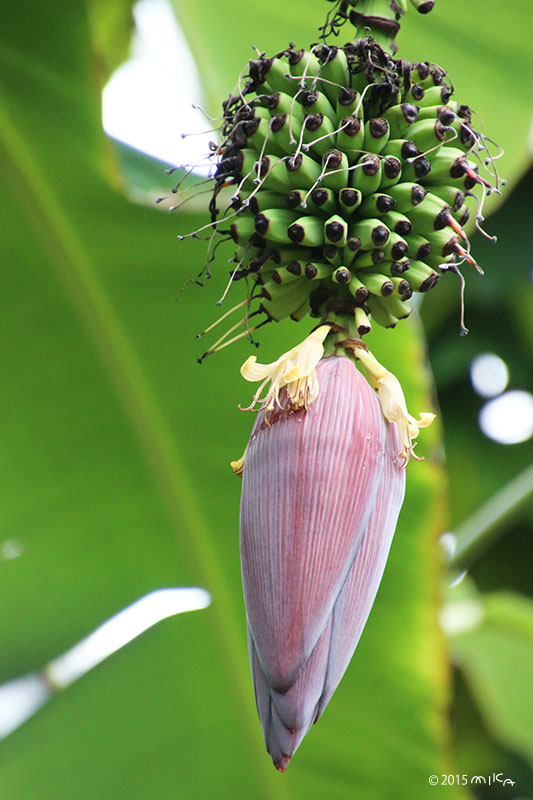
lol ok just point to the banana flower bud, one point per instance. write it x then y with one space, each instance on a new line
323 484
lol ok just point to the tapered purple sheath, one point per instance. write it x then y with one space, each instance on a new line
322 490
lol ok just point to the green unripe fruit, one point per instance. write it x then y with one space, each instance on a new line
334 70
376 134
318 134
377 284
348 171
348 102
349 201
314 102
342 276
351 138
307 231
362 321
380 314
336 231
391 172
367 174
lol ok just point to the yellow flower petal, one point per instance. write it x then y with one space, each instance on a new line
253 371
393 403
295 370
238 466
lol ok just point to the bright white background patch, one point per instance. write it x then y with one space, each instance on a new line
148 100
508 419
489 374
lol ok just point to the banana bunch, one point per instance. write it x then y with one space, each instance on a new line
349 172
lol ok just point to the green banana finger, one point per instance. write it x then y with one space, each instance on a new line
377 283
416 170
396 248
307 231
400 117
435 261
269 76
427 134
334 255
349 200
368 259
421 278
435 96
376 134
324 200
341 275
371 233
287 299
402 288
257 131
401 148
362 321
417 247
319 134
367 175
265 199
415 94
396 306
333 68
304 62
348 103
442 242
451 195
445 114
379 313
351 137
376 204
283 256
407 196
357 289
287 274
391 172
336 175
283 132
242 229
274 222
317 272
314 102
397 222
283 103
336 231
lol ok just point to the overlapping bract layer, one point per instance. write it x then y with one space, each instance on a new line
349 171
322 490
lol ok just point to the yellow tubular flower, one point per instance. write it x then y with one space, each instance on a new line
393 403
238 466
295 369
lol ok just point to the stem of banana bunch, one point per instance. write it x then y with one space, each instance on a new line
377 18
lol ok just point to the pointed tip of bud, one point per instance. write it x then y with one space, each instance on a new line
282 763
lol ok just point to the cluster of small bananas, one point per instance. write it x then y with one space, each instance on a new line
349 172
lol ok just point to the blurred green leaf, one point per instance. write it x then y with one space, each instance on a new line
497 661
498 316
